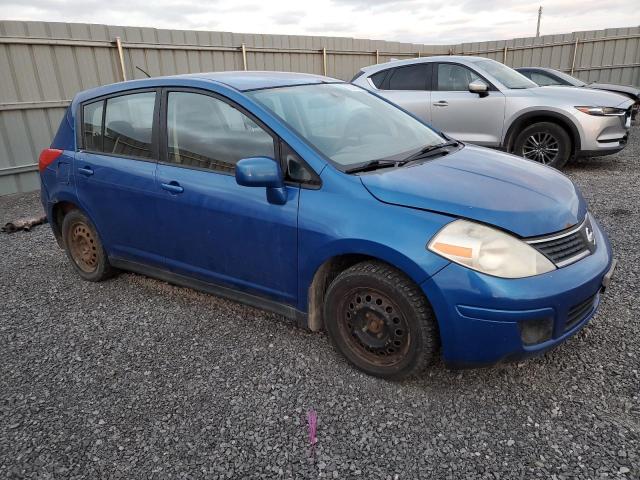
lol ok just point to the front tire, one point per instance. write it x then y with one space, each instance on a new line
544 142
84 248
381 321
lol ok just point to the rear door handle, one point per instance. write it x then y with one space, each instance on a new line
86 171
172 187
441 103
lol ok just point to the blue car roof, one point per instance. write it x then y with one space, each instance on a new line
244 81
241 81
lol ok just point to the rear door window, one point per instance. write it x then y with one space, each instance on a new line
128 125
412 77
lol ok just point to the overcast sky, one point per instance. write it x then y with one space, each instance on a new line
420 21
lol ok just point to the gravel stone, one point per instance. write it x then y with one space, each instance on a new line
135 378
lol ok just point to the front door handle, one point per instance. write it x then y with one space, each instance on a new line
86 171
172 187
441 103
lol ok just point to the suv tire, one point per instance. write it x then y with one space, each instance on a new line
381 321
84 248
544 142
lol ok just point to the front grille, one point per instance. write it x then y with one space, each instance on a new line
579 312
566 247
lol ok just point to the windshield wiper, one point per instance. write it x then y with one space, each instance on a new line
372 165
429 150
422 153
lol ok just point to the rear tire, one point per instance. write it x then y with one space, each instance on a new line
84 248
381 321
544 142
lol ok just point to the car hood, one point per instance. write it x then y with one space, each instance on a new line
583 96
626 89
492 187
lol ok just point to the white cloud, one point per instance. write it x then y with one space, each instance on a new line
419 21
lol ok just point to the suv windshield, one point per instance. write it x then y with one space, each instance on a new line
346 123
505 75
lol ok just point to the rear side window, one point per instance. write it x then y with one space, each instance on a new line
378 78
206 132
454 78
92 126
128 125
412 77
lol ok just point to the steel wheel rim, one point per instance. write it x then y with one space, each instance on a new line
82 245
373 327
541 147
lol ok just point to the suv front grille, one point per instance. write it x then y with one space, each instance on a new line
579 312
567 247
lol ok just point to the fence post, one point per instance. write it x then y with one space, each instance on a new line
244 56
504 58
324 61
377 56
121 58
575 50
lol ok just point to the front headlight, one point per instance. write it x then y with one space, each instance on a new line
603 111
488 250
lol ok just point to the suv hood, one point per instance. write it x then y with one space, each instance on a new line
580 96
492 187
628 89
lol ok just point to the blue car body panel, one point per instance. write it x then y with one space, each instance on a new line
222 233
523 197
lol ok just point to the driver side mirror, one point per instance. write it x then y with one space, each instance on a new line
262 172
479 87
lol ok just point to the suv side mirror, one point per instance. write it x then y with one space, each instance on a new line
479 87
262 172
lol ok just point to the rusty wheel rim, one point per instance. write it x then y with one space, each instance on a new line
83 248
374 327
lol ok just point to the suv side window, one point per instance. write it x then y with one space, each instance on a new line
454 78
128 125
206 132
411 77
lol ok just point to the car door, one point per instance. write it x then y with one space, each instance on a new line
212 228
463 115
115 172
408 87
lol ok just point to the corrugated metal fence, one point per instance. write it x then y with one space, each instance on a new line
42 66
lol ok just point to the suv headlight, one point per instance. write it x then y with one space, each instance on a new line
603 111
488 250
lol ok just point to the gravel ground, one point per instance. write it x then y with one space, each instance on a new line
134 378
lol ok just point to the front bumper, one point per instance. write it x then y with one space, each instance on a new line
480 316
603 135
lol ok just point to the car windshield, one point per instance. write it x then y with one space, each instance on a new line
572 80
346 123
505 75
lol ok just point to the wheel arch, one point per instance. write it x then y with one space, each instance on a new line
529 118
318 278
58 212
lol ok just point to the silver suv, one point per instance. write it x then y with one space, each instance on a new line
482 101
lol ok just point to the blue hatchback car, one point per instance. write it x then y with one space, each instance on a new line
321 201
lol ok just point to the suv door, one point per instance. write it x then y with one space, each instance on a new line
213 228
115 171
408 87
464 115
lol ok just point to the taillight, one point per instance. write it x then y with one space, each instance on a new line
47 156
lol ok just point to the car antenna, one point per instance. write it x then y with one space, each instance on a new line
143 71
